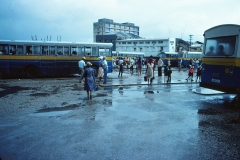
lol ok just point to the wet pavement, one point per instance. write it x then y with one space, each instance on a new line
126 119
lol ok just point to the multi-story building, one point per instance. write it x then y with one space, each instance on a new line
105 26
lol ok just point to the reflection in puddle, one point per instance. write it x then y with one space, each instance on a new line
148 92
56 110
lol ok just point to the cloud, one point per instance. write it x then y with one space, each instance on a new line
73 19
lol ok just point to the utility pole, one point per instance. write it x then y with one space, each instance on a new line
190 39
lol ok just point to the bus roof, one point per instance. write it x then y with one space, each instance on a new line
90 44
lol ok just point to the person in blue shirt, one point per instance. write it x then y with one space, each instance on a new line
105 70
89 83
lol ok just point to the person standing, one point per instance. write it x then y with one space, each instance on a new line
169 73
199 73
89 84
100 70
190 73
105 70
81 65
149 72
179 64
131 65
160 64
139 66
120 67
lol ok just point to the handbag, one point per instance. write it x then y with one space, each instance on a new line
95 86
145 78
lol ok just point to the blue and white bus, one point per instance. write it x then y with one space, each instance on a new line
40 58
221 58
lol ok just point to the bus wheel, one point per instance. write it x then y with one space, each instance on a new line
31 72
95 70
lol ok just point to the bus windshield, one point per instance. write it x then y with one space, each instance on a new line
220 46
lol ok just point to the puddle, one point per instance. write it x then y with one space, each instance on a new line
139 114
54 113
5 90
40 94
207 91
148 92
56 110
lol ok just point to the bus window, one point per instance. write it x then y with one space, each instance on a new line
36 50
19 49
60 50
29 50
44 50
88 51
94 51
74 51
81 51
220 46
12 49
3 49
51 50
66 50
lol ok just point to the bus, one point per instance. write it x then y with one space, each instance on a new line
126 56
186 57
221 58
49 58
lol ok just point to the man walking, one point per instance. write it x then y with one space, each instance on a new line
81 65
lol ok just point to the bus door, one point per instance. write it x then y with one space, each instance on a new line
4 59
48 60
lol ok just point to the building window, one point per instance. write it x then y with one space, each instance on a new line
123 42
153 42
134 49
147 42
119 43
160 41
140 49
129 42
141 42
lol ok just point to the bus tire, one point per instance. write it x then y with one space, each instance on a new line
31 72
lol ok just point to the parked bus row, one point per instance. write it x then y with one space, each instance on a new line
36 58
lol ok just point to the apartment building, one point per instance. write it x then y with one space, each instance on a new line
106 26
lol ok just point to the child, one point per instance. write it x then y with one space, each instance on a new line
190 73
169 72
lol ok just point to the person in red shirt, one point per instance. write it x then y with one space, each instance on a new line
190 73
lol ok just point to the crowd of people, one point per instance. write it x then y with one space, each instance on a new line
88 73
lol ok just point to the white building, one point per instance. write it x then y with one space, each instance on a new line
149 46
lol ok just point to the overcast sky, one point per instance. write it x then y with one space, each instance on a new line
73 19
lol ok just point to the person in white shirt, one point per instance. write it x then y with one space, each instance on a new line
105 70
160 64
81 65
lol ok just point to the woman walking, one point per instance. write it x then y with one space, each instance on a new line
89 84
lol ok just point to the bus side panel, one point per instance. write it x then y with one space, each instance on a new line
16 64
218 77
48 65
4 65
